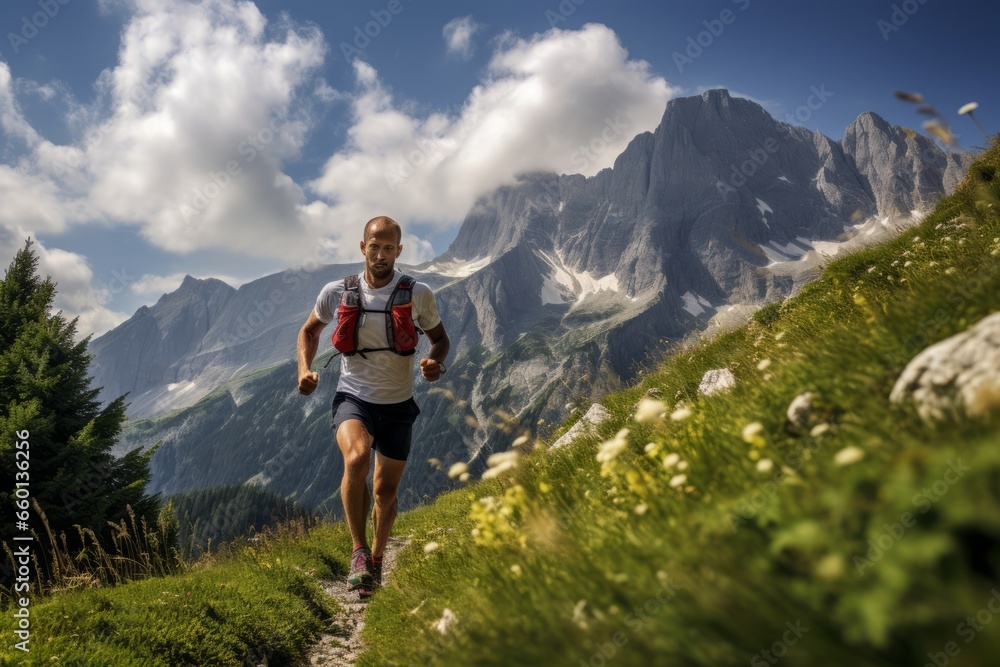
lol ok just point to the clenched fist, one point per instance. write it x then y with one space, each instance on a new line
430 369
308 382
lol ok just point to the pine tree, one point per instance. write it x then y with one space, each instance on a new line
45 390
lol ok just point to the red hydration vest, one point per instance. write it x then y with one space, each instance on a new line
400 330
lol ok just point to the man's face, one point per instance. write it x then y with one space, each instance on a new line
381 251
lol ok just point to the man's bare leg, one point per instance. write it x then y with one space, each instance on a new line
388 473
355 445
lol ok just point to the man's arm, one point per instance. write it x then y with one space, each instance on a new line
307 347
440 345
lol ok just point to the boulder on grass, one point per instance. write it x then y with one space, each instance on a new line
957 377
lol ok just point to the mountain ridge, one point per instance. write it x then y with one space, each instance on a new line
566 283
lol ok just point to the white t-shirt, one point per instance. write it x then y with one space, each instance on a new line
384 377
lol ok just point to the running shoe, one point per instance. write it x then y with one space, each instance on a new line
360 577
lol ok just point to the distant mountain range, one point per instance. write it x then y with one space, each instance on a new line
556 290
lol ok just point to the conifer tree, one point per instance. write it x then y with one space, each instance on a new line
45 390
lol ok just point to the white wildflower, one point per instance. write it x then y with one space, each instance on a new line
678 480
500 463
681 413
650 410
447 622
612 448
752 431
819 429
848 455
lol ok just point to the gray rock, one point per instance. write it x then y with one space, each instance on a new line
959 376
716 381
800 410
594 416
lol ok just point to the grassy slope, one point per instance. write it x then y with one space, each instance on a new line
262 600
707 576
713 570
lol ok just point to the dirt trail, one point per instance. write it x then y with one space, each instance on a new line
341 644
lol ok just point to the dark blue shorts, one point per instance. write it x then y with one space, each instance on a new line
389 423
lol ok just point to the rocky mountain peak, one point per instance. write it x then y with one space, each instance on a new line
556 286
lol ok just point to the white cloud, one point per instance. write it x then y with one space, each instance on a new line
199 88
189 135
458 34
203 116
205 86
75 295
568 101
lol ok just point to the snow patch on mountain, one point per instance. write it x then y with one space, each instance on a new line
694 303
459 268
563 282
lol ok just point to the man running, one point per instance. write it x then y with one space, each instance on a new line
373 407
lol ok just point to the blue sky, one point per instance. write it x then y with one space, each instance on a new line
117 113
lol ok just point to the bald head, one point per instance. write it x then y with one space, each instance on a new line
383 224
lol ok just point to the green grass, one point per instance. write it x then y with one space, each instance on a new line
711 572
560 568
260 600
